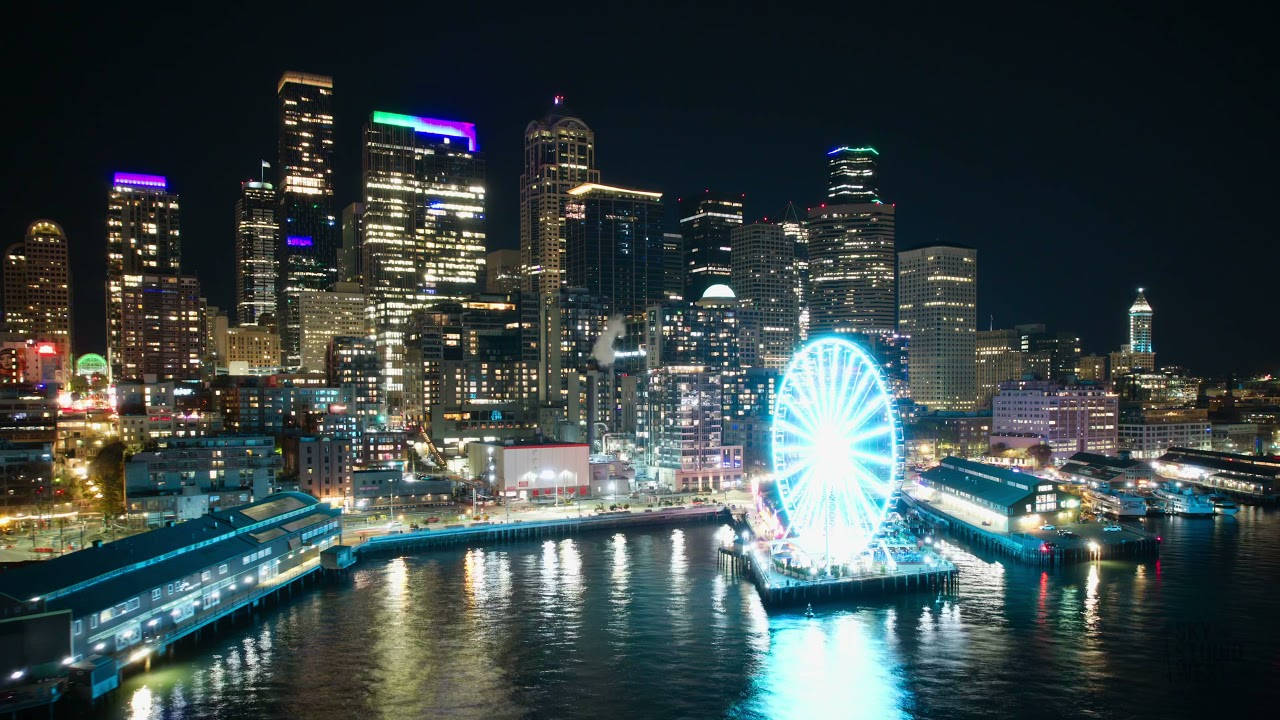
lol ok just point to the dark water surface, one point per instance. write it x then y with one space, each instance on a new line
647 625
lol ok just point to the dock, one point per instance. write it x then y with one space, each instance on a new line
493 533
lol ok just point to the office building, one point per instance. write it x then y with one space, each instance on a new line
852 279
326 314
937 309
1048 355
502 271
423 224
349 267
253 350
256 231
673 266
323 466
307 246
1068 418
613 245
1148 434
37 287
706 221
215 463
142 239
1092 368
796 230
852 175
161 327
999 358
559 155
762 275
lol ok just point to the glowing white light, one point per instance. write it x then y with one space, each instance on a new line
836 449
17 674
99 647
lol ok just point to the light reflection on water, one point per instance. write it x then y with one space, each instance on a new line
648 625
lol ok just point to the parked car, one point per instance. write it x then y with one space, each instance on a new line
1112 528
1048 527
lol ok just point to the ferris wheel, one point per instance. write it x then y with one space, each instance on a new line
836 450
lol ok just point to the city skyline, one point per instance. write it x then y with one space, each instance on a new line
936 171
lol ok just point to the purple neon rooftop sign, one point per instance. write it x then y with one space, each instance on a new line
435 126
139 180
298 241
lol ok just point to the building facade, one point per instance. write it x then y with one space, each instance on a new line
308 238
937 309
37 286
326 314
998 356
852 175
256 232
559 155
762 275
852 278
706 221
161 327
613 245
1068 418
143 238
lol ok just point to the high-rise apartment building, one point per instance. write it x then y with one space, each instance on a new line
162 328
999 359
762 275
307 242
852 175
937 309
355 365
852 283
559 155
142 239
423 224
37 287
705 223
256 233
326 314
613 245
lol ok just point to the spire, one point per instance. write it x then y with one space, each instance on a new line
1140 305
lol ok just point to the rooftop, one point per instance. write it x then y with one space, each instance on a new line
1109 461
993 491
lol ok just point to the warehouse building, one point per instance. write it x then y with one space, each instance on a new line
993 497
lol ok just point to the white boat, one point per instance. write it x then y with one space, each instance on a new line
1224 505
1184 501
1115 503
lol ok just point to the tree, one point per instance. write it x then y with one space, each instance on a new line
1041 455
107 471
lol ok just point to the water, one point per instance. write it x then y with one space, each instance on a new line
646 625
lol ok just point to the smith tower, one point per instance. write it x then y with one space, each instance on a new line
307 244
559 155
1140 315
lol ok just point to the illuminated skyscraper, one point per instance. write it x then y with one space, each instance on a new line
705 223
307 243
142 238
614 245
1140 316
162 327
798 232
256 231
423 225
852 283
559 155
37 286
938 310
852 176
763 278
999 359
673 267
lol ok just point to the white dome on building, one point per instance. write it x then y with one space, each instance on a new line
719 291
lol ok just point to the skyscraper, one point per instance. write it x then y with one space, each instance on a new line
559 155
307 243
852 285
938 310
852 176
673 267
763 278
423 224
37 286
614 245
1140 316
795 229
705 223
256 231
999 358
324 315
142 238
161 327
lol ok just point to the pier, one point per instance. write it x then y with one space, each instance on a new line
1041 547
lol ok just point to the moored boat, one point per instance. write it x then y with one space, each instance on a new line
1183 501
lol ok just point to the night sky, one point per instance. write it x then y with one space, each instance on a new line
1083 152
